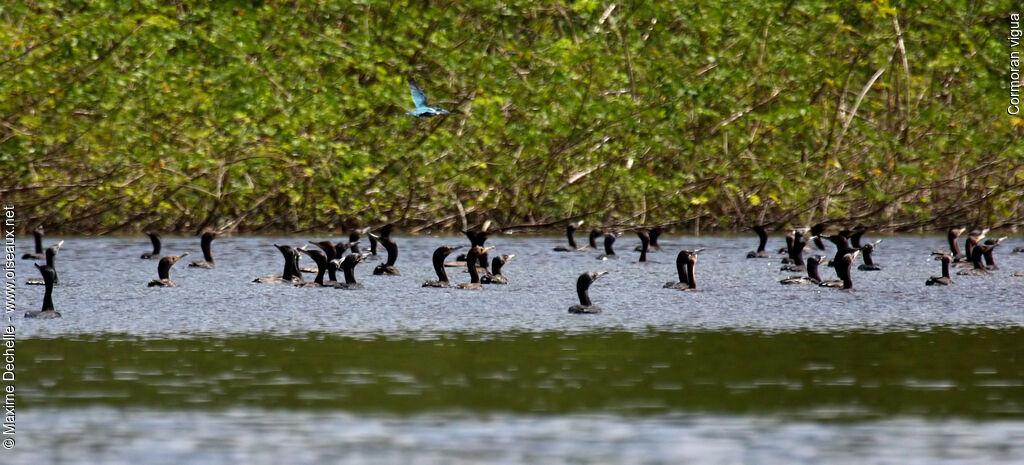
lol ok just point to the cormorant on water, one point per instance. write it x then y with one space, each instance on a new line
592 239
49 275
645 244
609 251
353 242
990 261
51 261
155 239
816 231
163 270
205 244
977 254
37 234
582 286
796 251
856 234
866 251
477 238
844 267
348 266
438 260
290 275
686 261
943 280
570 233
392 255
973 239
320 258
653 235
812 273
762 242
954 247
472 261
495 276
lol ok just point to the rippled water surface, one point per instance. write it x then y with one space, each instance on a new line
744 371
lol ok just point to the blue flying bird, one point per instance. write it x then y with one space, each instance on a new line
422 110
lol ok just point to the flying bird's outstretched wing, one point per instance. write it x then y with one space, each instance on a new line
418 98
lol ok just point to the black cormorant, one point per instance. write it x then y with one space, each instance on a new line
320 258
155 239
205 244
495 276
472 262
762 242
290 275
163 270
570 234
812 273
49 274
582 286
37 235
609 251
438 260
943 280
51 261
388 267
866 251
348 267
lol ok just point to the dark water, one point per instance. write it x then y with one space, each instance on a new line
744 371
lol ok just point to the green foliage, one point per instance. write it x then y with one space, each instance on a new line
290 115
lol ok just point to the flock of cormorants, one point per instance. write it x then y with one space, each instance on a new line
977 258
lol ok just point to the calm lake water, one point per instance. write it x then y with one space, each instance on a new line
745 371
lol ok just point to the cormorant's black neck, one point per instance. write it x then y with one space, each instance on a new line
570 233
438 260
816 231
496 264
654 235
866 252
163 269
291 258
321 265
977 253
855 238
989 259
582 285
645 243
353 240
48 277
796 253
681 267
847 267
609 241
472 259
373 244
38 236
155 239
204 244
392 248
594 234
954 246
812 269
945 266
332 270
349 268
762 238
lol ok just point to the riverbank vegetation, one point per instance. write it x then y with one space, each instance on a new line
118 116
